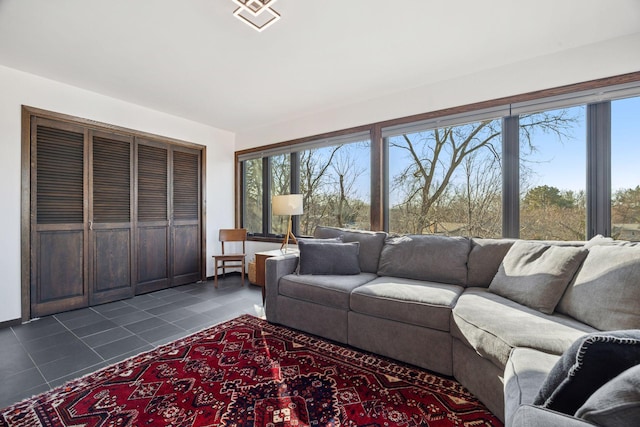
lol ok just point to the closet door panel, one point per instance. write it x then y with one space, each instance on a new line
111 231
152 257
186 252
112 264
60 267
59 277
186 196
153 219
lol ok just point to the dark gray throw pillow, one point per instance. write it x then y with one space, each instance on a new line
615 404
328 258
587 365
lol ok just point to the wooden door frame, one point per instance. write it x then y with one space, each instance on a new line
27 113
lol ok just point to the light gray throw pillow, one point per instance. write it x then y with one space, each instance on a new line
606 291
328 258
536 275
615 404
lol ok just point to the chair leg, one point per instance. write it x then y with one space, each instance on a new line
242 284
215 273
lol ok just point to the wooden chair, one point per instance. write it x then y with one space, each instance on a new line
233 260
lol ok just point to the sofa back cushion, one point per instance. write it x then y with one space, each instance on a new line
371 243
426 257
606 290
536 275
484 260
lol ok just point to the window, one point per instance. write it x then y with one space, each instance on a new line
280 180
446 180
333 175
625 175
553 174
560 166
252 192
334 182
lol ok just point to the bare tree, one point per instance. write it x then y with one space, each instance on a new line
345 173
314 167
280 184
253 195
436 158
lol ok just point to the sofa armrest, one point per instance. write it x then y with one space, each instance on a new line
536 416
275 268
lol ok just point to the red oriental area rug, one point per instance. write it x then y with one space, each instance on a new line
247 372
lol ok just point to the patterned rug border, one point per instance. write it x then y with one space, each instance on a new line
364 360
74 384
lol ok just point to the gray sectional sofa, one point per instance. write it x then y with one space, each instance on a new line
496 314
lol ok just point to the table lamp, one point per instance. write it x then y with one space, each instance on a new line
287 204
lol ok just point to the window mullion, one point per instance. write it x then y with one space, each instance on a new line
599 169
295 187
511 177
266 196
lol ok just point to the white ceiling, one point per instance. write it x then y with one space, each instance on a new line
194 59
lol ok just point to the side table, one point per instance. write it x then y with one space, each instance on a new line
261 258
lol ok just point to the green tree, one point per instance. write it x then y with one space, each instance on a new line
625 214
545 196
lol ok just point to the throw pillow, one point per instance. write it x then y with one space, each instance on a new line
615 404
328 258
587 365
371 243
309 240
605 292
536 275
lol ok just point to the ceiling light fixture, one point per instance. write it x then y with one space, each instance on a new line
256 13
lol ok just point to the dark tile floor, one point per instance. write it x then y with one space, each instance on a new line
45 353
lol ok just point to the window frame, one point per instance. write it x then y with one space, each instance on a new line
596 95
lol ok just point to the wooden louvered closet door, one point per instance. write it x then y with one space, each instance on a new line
112 215
185 226
110 212
153 216
59 274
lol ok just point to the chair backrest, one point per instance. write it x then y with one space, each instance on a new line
233 235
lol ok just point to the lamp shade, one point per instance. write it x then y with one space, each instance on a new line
287 204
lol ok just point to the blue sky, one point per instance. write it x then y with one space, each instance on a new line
564 165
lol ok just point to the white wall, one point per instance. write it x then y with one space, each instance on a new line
610 58
18 88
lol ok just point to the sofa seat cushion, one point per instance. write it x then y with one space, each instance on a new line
329 290
492 325
410 301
